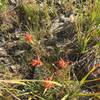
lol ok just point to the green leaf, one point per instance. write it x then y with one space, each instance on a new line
65 97
85 77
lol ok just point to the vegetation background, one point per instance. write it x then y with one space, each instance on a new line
49 49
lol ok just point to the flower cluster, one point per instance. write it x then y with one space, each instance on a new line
62 64
36 62
28 38
47 83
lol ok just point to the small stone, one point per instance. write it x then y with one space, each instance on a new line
3 52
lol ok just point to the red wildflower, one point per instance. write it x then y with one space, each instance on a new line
48 84
36 62
62 64
28 38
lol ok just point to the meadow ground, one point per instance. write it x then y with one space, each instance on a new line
49 50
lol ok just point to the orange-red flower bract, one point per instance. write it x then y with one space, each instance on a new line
61 63
48 84
36 62
28 38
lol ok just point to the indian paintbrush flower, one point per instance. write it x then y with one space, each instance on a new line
48 84
36 62
62 64
28 38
